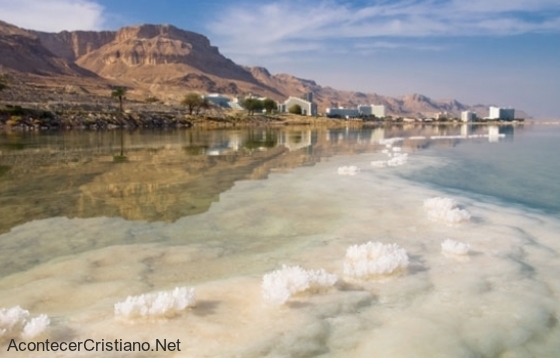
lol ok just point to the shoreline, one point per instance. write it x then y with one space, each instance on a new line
15 118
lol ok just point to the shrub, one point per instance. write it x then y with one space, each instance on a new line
295 109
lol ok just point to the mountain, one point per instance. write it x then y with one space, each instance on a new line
160 60
167 62
23 52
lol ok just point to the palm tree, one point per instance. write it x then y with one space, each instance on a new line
120 93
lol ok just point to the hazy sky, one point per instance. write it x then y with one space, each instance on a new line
502 52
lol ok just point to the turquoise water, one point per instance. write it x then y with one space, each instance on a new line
523 169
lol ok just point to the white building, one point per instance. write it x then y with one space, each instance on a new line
218 99
378 110
368 110
342 112
500 113
308 108
363 110
468 116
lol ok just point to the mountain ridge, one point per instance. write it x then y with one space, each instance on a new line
166 62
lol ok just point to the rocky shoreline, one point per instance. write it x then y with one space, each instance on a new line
14 117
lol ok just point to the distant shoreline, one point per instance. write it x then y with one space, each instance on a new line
15 118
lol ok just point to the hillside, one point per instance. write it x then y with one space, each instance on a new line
167 62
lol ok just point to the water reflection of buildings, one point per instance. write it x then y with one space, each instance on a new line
168 175
295 140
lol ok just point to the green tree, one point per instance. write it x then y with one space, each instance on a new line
193 102
269 105
295 109
252 105
120 93
204 104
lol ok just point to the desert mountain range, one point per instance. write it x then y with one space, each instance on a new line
166 62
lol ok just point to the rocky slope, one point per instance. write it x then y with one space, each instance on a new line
167 62
23 52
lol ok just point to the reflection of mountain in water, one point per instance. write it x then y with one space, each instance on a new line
167 175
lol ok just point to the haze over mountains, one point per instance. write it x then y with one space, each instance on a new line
167 62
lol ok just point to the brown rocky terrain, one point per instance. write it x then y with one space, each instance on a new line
164 62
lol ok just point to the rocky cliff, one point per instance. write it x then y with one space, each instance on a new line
21 51
73 45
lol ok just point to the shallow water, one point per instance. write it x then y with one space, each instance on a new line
84 228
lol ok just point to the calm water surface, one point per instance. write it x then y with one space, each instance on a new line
89 218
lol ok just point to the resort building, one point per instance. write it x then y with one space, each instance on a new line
500 113
372 110
342 112
468 116
378 110
223 101
218 99
308 107
362 110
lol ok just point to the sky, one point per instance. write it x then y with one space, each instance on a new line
499 52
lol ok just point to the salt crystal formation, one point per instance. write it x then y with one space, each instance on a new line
349 170
390 141
374 259
446 210
397 158
278 286
452 247
15 323
156 305
379 163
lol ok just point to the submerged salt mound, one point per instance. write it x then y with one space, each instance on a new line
389 142
278 286
162 304
379 163
452 247
374 259
15 323
398 160
446 210
348 170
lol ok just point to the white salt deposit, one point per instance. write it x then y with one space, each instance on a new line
398 160
379 163
445 210
35 327
156 305
390 141
348 170
15 322
374 259
452 247
436 137
278 286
